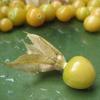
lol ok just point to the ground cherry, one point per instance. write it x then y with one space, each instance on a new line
95 3
96 12
17 3
29 6
79 73
49 11
1 4
82 13
78 3
86 1
70 1
4 10
2 15
6 25
5 2
91 8
56 4
65 13
35 17
92 23
17 15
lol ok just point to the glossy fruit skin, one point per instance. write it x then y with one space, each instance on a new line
91 8
56 4
1 15
49 11
17 3
29 6
17 15
94 3
65 13
79 73
86 1
78 4
4 10
1 4
82 13
96 12
6 25
35 17
92 23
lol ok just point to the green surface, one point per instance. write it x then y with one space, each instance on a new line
71 39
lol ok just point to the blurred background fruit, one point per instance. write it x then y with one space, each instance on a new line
49 11
65 13
6 25
92 23
82 13
35 17
17 15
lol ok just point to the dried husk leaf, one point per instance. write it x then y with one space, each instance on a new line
41 56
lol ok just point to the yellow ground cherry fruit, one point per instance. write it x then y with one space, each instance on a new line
35 17
82 13
95 3
49 11
56 4
70 1
86 1
91 8
4 10
79 73
2 15
96 12
92 23
17 15
5 2
17 3
65 13
0 3
29 6
6 25
78 3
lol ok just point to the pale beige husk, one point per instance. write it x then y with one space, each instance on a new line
41 56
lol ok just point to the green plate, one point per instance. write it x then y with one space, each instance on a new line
71 39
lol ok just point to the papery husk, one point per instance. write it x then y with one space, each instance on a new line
41 56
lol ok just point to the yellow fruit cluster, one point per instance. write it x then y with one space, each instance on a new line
17 13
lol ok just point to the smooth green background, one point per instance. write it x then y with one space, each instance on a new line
71 39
